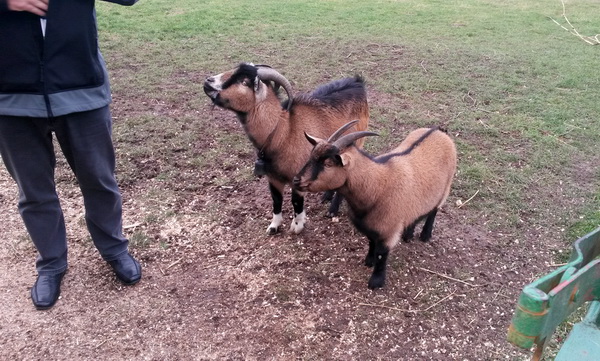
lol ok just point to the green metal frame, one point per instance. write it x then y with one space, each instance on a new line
548 301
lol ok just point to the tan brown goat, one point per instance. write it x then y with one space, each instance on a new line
387 194
277 129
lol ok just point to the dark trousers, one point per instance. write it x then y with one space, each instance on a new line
86 142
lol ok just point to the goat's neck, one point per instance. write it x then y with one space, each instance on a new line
266 122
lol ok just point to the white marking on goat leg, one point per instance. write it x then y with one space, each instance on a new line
298 222
275 223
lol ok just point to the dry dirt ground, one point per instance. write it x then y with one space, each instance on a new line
216 287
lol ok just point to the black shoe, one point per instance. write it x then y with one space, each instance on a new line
127 269
45 290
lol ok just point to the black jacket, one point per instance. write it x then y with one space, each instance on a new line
66 60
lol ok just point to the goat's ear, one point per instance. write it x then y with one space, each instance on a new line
344 159
256 84
260 89
312 140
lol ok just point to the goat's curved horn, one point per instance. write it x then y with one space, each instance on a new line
312 140
267 73
338 133
346 140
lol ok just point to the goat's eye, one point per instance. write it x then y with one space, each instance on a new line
246 82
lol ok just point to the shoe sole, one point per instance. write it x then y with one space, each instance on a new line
130 283
43 308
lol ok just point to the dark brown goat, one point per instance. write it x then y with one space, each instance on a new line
276 128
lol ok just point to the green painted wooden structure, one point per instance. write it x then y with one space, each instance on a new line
549 300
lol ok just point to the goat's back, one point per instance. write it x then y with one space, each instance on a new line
425 163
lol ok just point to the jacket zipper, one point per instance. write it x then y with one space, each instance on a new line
42 80
44 90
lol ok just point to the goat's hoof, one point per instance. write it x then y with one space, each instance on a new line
272 230
408 236
376 282
424 238
369 262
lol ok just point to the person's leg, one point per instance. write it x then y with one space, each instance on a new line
86 141
28 154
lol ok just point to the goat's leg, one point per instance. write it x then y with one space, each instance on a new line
299 214
428 227
373 237
408 232
277 196
334 207
327 196
380 253
370 259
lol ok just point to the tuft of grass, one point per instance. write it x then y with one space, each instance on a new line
589 220
139 240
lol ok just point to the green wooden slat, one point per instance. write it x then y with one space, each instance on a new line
548 301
